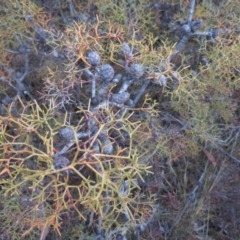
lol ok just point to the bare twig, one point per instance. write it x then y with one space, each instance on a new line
191 11
191 199
140 93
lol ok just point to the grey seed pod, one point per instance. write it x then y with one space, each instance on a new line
117 78
120 98
60 162
107 147
23 48
96 147
218 32
81 17
196 24
28 17
93 126
119 236
204 61
103 136
125 51
136 70
26 201
93 58
106 73
67 133
7 100
124 188
185 30
163 81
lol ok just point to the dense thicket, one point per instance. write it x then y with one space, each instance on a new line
119 119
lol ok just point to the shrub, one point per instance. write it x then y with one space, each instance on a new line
93 94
